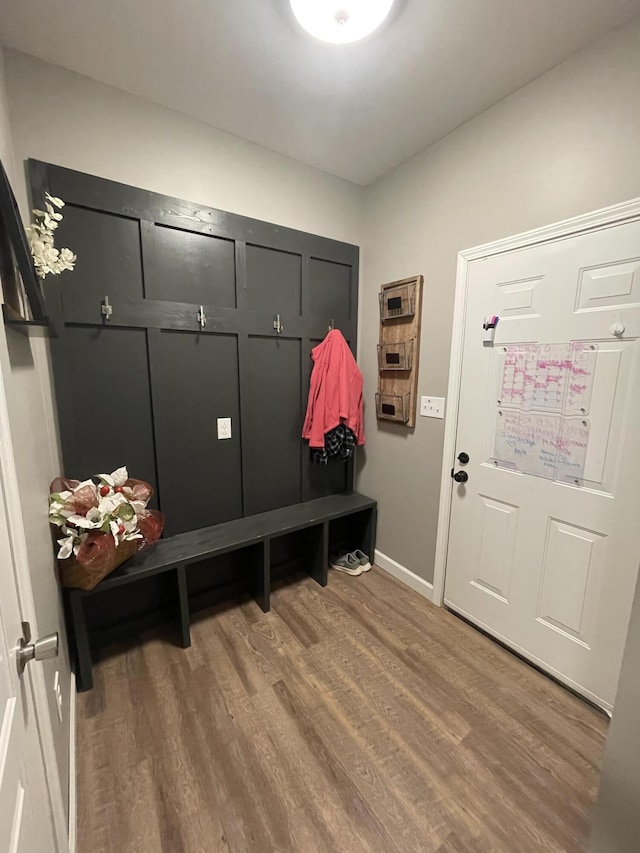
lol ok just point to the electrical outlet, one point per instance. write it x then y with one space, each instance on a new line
58 694
432 407
224 427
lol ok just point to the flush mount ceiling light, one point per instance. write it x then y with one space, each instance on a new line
340 21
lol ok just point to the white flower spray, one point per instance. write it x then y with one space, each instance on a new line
47 259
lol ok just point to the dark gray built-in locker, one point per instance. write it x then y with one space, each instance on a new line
193 294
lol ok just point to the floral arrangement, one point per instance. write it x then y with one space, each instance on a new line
46 258
102 523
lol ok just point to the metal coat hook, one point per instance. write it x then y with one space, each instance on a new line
331 326
106 309
201 317
277 325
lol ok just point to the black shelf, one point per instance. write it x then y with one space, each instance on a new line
12 318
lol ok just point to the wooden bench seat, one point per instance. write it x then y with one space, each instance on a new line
253 533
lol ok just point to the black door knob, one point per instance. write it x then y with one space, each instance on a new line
461 476
463 458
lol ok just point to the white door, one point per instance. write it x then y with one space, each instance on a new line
544 537
25 816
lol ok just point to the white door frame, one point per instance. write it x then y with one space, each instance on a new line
606 217
18 543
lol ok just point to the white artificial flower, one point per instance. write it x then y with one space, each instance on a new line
50 218
59 508
71 543
120 475
79 542
46 258
110 503
54 200
94 515
85 483
114 514
66 547
85 521
52 213
115 531
125 531
67 260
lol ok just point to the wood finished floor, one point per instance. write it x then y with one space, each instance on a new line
353 718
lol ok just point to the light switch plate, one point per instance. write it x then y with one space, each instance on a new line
224 427
432 407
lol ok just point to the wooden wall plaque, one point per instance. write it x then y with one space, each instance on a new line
399 350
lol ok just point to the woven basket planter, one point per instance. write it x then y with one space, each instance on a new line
77 576
117 506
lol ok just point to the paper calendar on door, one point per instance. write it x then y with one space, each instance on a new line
548 377
544 395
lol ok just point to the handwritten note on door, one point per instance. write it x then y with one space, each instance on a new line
542 445
545 393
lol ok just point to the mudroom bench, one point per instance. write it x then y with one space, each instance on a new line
316 527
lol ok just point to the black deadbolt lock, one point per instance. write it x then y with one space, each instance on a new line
463 458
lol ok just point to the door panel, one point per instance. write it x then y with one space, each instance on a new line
195 382
570 567
498 523
517 299
108 262
610 287
182 266
271 424
108 389
274 281
544 543
17 829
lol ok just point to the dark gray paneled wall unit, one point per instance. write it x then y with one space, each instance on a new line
145 388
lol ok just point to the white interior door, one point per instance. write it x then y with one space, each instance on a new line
544 537
25 817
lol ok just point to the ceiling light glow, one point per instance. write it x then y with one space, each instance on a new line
340 21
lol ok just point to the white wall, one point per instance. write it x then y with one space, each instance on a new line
6 140
72 121
563 145
25 377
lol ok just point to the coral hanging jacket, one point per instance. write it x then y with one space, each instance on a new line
335 391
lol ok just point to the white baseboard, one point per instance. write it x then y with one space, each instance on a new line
73 788
405 575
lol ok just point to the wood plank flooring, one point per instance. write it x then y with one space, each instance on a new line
353 718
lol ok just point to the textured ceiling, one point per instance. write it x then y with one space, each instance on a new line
355 111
